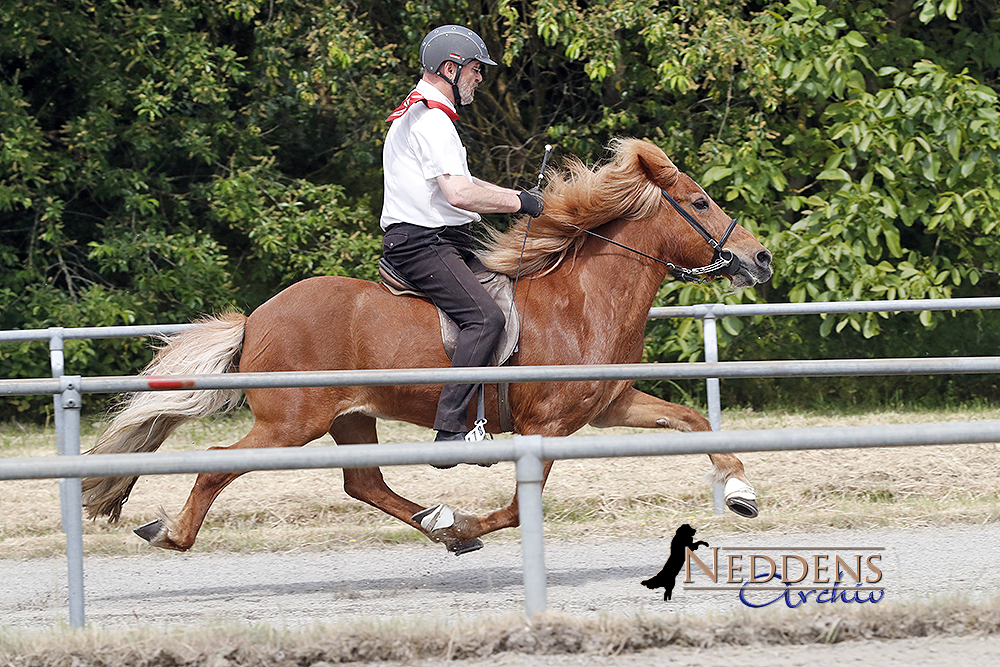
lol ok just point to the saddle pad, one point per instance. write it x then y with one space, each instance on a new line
496 284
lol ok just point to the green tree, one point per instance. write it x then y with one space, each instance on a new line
159 160
139 181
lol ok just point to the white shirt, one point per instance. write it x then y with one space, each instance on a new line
420 146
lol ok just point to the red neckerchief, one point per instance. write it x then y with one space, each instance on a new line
417 96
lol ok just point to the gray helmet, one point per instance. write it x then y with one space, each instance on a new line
455 43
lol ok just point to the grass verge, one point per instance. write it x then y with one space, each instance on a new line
429 639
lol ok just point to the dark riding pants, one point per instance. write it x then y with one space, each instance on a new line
441 262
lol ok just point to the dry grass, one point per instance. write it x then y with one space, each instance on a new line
404 642
308 510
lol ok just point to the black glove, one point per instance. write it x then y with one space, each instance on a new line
531 202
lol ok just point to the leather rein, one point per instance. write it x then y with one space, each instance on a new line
724 261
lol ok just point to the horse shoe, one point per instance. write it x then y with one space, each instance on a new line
741 498
459 548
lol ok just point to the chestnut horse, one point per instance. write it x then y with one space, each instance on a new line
590 269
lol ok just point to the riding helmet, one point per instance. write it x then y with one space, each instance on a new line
455 43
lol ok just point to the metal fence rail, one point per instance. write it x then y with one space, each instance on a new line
673 371
824 307
527 452
710 313
510 449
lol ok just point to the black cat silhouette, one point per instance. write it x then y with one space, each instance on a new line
683 539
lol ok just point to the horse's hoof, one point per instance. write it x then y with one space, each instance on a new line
439 522
449 466
151 530
741 498
459 548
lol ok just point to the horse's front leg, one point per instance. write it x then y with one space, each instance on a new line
461 532
458 532
508 517
636 409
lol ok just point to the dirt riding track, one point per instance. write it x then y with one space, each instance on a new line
585 579
423 584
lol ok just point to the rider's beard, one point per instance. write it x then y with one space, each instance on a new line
466 91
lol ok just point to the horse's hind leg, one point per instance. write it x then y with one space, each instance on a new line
180 532
636 409
367 484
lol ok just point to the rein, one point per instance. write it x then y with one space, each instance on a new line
724 261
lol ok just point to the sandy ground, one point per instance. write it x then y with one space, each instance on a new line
585 580
325 579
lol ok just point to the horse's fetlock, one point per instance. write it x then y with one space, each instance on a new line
165 541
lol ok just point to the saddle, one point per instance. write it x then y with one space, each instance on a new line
499 287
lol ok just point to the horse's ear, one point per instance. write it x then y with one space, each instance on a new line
655 164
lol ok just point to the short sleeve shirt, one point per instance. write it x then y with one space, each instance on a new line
420 146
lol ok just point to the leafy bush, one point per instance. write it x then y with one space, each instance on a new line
160 160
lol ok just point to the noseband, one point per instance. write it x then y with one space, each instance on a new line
723 261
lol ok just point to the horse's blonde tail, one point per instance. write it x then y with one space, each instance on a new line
146 418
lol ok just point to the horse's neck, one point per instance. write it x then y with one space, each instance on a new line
602 298
623 273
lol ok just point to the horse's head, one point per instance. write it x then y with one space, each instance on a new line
706 240
637 185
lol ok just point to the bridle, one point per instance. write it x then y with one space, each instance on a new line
723 261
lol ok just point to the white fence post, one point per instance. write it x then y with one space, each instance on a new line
71 498
57 359
711 336
529 473
70 502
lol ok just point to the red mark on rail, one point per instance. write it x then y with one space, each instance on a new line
164 383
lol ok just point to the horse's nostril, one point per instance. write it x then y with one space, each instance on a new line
763 258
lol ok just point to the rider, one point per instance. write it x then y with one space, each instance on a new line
431 200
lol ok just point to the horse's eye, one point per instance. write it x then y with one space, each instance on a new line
701 205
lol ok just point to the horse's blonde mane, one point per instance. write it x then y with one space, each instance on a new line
627 187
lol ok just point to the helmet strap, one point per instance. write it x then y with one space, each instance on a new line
454 83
